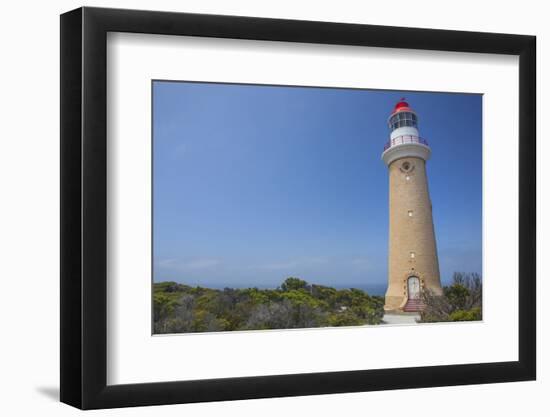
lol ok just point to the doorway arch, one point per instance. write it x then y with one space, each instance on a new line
413 288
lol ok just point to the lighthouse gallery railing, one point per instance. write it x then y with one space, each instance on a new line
400 140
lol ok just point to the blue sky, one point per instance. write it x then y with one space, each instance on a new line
253 184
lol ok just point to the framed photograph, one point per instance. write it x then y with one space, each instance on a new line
258 208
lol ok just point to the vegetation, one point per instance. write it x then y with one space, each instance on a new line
180 308
461 301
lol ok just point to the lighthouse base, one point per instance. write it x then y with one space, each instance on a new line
400 318
394 303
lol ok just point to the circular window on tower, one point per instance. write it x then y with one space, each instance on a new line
407 166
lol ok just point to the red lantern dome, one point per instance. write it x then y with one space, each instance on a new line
401 105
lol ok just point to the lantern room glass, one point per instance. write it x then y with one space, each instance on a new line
402 119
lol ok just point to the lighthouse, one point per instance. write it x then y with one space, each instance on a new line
413 266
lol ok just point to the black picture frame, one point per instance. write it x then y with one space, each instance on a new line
84 207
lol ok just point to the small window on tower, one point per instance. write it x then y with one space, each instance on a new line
412 255
408 177
410 212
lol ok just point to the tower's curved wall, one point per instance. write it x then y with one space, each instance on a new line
412 245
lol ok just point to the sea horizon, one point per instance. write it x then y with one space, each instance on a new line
371 289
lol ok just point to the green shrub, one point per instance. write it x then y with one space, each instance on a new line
461 301
466 315
295 304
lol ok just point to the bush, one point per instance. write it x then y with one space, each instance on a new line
295 304
461 301
345 318
293 284
466 315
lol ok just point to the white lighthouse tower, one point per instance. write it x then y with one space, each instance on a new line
413 266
